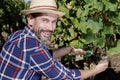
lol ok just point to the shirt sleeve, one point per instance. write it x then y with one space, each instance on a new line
43 63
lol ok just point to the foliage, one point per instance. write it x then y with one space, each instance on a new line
89 24
116 49
10 17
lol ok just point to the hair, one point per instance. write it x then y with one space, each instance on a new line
34 15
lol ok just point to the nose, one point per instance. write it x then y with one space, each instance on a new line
50 26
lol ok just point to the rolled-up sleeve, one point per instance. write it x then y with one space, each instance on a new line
42 62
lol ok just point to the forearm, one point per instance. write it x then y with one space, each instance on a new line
57 53
42 62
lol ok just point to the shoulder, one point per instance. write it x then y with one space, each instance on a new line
23 40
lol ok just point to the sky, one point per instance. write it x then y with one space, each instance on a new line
27 0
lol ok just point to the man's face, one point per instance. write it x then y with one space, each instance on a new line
44 25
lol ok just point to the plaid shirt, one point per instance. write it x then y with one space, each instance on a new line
24 57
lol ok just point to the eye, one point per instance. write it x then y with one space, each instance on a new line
45 20
55 21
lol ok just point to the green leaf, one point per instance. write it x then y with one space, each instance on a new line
61 43
59 29
115 50
52 38
82 27
108 30
116 19
66 37
90 37
1 12
99 42
64 21
75 22
79 11
76 44
64 9
98 6
94 26
110 6
72 32
88 1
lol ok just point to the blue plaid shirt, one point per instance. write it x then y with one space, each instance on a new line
24 57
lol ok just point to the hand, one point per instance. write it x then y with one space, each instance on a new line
101 67
78 51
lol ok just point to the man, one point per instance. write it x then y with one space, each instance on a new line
25 57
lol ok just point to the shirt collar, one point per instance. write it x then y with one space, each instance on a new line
31 32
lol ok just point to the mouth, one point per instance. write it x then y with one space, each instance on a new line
46 33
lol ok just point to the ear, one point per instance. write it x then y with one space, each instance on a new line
30 20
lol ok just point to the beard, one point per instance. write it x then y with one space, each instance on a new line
43 35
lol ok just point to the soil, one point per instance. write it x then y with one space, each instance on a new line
115 62
113 72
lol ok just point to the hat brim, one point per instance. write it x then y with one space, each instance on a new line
26 12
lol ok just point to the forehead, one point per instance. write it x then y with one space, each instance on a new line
49 14
44 16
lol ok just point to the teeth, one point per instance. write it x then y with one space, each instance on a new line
46 34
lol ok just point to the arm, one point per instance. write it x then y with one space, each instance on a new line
43 63
57 53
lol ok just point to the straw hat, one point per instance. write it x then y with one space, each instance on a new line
43 6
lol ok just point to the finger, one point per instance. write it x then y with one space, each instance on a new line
79 51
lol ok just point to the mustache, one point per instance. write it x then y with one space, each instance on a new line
46 31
